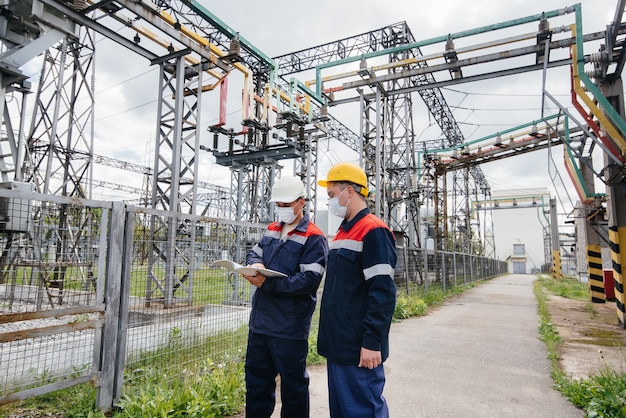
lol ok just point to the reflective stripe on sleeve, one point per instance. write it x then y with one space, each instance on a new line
315 267
378 270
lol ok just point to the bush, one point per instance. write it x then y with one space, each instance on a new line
408 306
313 357
213 391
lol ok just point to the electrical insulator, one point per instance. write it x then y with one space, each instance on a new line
235 46
79 4
363 64
544 25
601 57
449 45
595 74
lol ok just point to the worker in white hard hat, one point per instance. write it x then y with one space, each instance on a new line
282 308
359 299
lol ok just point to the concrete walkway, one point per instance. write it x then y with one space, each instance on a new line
477 355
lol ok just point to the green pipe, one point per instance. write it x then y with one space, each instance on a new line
608 109
299 84
444 38
460 146
506 131
571 157
224 28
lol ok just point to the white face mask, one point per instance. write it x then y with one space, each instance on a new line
335 207
286 215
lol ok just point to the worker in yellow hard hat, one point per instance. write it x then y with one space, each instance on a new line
345 174
358 300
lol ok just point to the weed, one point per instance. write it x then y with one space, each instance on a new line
601 395
216 389
409 306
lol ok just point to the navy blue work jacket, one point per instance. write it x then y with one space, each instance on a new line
359 295
283 307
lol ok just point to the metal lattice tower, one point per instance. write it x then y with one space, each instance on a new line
174 188
387 122
60 140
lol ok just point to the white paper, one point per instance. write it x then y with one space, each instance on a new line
247 271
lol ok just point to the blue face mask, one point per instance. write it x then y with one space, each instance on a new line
335 207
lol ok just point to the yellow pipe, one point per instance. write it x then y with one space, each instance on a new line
213 48
604 121
574 174
247 74
266 104
167 18
161 42
285 97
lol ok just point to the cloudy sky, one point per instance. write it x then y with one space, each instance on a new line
127 89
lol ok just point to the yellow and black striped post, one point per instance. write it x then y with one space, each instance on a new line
596 280
557 272
555 244
617 235
613 90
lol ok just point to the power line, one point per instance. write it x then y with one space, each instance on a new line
498 94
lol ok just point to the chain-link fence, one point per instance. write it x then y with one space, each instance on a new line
102 292
422 267
52 275
182 309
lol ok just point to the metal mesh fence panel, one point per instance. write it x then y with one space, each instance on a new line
418 269
50 302
204 316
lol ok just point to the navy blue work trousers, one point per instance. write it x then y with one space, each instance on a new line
267 357
356 392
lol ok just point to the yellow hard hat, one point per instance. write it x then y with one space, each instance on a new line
348 172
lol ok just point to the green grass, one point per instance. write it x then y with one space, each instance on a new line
601 395
568 287
408 306
211 390
215 389
75 402
176 380
209 284
417 300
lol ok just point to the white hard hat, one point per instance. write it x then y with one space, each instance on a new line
287 189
